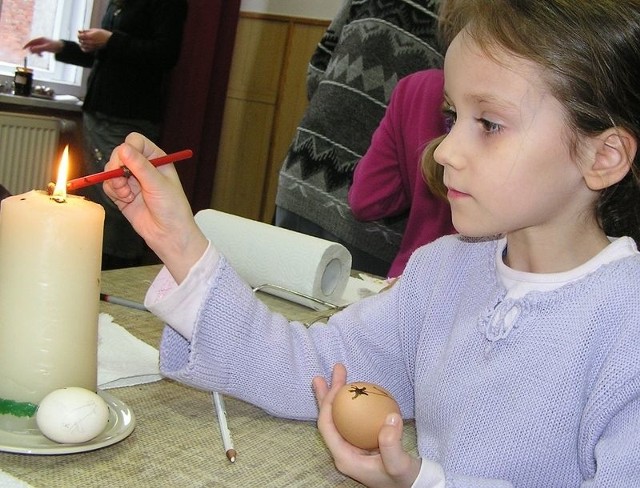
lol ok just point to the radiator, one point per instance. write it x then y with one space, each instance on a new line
28 150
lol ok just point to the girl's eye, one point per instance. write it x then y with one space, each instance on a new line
450 117
489 127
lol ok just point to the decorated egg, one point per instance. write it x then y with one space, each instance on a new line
72 415
359 411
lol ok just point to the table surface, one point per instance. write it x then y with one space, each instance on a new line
176 441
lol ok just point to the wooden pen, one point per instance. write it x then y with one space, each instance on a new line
96 178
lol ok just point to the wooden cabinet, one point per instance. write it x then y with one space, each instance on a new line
266 98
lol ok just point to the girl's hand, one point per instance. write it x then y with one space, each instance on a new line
388 467
153 200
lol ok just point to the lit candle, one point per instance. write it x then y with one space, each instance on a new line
50 257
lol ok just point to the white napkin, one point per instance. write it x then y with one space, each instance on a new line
265 254
8 481
361 287
123 360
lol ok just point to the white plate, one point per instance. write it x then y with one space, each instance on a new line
120 425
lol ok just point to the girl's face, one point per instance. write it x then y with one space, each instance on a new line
507 163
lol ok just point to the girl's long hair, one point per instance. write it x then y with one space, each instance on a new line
589 52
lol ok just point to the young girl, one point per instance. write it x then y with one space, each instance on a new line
516 348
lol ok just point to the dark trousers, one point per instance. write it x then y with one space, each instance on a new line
122 246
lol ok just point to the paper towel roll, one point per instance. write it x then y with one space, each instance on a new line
264 254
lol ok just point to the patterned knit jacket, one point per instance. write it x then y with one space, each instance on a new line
548 398
368 47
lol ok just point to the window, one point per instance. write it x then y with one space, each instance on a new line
21 20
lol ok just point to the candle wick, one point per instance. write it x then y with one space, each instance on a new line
58 198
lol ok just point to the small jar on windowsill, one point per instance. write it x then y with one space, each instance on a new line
23 81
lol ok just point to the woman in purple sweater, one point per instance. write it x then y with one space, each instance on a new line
388 180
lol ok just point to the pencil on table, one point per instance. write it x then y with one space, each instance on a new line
221 412
122 301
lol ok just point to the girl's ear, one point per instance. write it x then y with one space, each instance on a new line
613 153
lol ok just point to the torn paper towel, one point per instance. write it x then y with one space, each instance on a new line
123 360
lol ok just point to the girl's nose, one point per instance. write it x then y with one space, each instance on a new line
443 154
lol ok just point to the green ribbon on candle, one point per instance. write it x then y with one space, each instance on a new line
17 409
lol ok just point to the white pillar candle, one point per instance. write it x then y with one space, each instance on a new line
50 259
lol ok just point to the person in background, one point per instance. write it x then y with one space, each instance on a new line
130 57
368 47
516 344
388 180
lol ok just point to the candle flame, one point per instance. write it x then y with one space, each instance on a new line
60 190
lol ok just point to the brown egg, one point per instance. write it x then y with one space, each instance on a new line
359 410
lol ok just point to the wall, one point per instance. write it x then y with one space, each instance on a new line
318 9
266 98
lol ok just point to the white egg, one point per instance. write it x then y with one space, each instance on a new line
72 415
